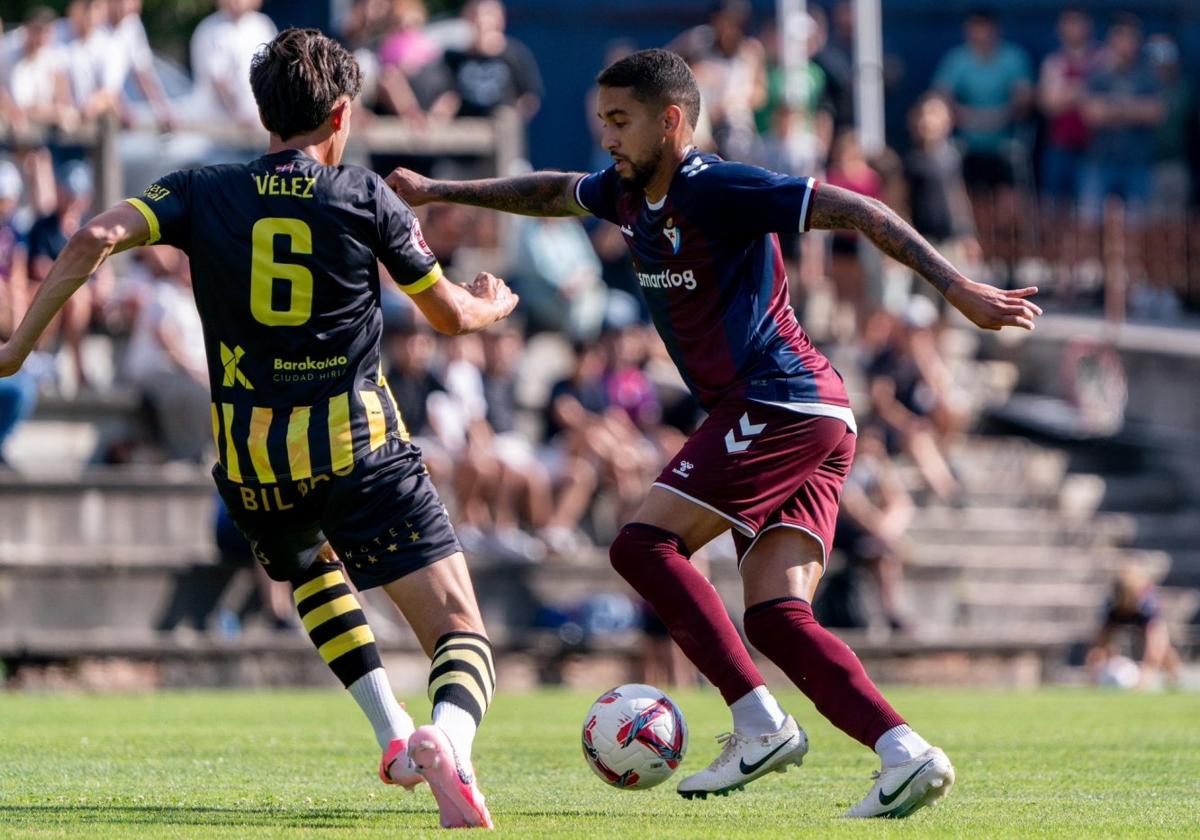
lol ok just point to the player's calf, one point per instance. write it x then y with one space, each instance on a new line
337 626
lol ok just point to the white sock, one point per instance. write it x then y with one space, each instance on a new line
758 713
900 744
373 693
459 726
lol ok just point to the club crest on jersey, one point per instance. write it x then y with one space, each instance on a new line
671 231
418 238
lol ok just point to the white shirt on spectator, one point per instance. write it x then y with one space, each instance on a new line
222 48
168 306
130 42
31 79
93 64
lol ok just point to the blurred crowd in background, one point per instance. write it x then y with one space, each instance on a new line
544 433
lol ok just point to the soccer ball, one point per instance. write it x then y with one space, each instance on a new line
634 737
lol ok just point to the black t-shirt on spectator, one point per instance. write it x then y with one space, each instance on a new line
591 395
411 392
485 82
932 176
501 396
46 238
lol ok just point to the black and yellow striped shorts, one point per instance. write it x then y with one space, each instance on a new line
384 519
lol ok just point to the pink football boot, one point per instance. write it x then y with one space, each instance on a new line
458 797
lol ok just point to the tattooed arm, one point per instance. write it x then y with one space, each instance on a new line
986 306
536 194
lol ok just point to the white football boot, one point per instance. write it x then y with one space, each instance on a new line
744 759
899 791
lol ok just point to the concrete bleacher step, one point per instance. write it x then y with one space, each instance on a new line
1046 561
106 507
1014 527
1069 606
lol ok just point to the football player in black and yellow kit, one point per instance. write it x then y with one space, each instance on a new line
313 459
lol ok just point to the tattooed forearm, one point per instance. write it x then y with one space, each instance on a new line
835 208
538 194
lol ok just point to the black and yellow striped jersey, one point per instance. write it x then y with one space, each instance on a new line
284 267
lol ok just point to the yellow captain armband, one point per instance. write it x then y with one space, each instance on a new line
151 219
434 275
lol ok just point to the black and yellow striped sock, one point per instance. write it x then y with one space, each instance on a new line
463 673
335 622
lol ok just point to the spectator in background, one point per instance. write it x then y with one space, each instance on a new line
835 57
365 25
165 358
556 272
796 137
848 168
873 519
410 349
1062 86
910 394
95 64
18 394
47 238
222 46
129 42
1123 108
1134 605
941 211
730 68
580 424
409 80
1171 178
37 79
493 71
990 83
14 252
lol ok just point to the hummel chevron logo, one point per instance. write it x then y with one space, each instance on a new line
889 799
749 430
747 769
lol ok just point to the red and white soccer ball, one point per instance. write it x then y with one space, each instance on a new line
634 737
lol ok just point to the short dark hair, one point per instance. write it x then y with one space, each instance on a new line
1125 20
660 77
298 78
981 14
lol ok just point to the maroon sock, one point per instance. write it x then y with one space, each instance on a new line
655 563
822 666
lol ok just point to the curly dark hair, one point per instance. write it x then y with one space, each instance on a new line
658 77
299 77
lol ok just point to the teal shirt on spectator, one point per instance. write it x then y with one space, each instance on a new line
984 84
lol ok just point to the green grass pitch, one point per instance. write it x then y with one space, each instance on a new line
1062 763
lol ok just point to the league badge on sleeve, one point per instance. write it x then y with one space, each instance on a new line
418 238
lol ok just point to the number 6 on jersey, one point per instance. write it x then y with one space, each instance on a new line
264 271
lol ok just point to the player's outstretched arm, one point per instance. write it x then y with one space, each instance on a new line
835 208
536 194
454 310
116 229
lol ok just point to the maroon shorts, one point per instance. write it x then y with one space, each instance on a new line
762 467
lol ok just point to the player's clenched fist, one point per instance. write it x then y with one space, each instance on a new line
410 186
487 286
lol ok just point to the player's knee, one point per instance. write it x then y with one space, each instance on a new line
640 545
